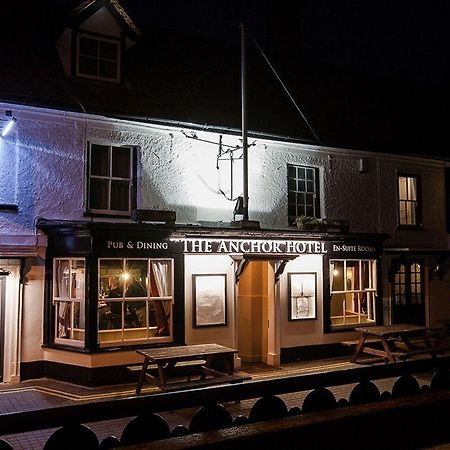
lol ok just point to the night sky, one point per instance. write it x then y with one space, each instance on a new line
367 74
381 69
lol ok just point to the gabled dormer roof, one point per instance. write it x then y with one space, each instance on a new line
89 7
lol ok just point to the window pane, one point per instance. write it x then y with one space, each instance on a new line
63 317
62 280
121 161
110 315
337 275
77 284
135 316
108 50
412 188
309 186
402 190
88 65
301 186
310 175
411 214
88 46
120 195
107 69
136 285
99 190
99 160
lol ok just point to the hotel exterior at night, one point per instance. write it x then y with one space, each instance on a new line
121 232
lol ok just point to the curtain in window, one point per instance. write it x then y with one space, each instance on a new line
159 282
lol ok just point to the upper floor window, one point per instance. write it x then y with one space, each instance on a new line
303 192
98 58
409 200
110 179
69 301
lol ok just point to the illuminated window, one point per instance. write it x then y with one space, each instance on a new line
353 288
110 179
69 300
98 58
135 298
408 200
303 192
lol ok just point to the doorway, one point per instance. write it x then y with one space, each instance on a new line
255 300
408 305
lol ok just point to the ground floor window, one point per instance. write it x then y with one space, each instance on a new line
69 300
135 300
353 292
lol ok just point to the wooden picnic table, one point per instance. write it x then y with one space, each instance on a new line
395 342
212 360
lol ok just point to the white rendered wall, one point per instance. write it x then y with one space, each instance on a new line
212 264
45 176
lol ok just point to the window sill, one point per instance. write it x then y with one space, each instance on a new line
111 215
410 228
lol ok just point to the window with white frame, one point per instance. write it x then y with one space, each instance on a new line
69 301
110 179
353 289
98 57
135 300
408 200
303 192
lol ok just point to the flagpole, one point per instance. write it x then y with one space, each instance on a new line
244 125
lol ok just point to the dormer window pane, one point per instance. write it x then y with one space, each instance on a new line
108 50
98 58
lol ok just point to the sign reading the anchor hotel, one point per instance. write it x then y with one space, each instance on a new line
252 246
230 246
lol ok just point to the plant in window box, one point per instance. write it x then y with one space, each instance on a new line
309 223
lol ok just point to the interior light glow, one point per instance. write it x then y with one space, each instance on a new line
125 276
8 126
335 272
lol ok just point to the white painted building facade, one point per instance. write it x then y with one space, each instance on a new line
45 180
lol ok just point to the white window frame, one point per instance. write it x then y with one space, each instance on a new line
99 39
56 301
301 208
148 339
408 215
109 178
371 293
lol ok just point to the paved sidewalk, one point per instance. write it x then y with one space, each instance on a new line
46 393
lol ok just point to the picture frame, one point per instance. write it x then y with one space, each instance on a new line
302 296
209 300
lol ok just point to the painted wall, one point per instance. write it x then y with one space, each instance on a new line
45 155
211 264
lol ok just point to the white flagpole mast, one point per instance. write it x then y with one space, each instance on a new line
244 125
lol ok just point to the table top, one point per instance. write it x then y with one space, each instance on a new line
392 330
185 352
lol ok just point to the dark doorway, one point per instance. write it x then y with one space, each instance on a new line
408 297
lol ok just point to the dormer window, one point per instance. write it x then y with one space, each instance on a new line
98 57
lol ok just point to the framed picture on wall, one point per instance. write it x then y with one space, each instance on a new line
209 300
302 295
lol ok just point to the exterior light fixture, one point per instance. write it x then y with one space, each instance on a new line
9 123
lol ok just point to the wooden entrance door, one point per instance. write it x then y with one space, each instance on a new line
408 297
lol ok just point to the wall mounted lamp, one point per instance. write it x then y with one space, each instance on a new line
7 124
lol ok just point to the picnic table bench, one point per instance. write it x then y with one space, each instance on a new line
398 341
212 363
